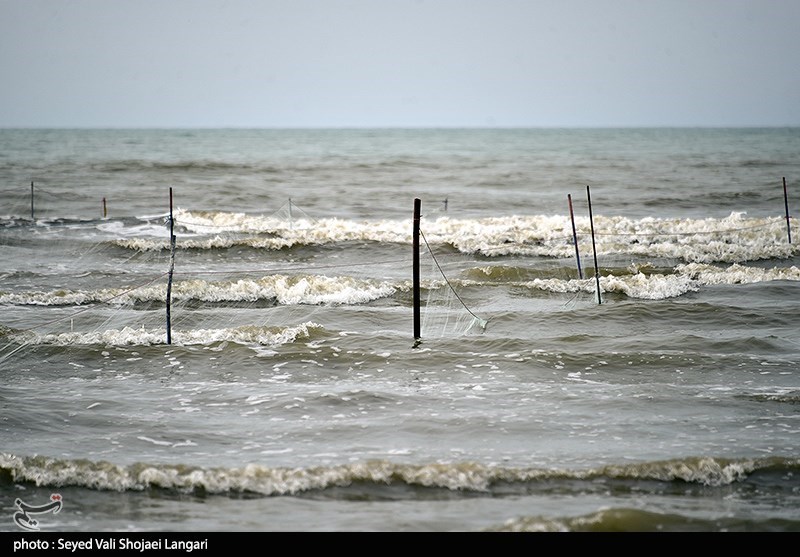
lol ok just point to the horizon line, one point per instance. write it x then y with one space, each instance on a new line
384 127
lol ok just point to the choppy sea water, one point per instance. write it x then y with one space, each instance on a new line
609 330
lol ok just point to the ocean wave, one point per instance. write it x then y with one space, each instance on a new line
737 274
635 281
129 336
282 289
792 397
206 165
467 477
686 278
638 520
735 238
640 286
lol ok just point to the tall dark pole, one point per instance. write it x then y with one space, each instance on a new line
415 247
786 204
171 267
32 201
594 249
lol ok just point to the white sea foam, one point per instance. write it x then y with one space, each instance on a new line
288 290
147 229
737 274
687 278
735 238
129 336
649 287
256 478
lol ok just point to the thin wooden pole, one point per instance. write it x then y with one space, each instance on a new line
171 268
32 217
575 236
594 249
105 209
415 247
786 204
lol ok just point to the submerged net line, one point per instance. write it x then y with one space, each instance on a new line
71 316
96 304
220 314
446 280
564 239
440 317
99 302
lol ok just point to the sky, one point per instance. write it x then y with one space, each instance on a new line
399 63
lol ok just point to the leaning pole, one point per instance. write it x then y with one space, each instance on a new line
786 204
594 248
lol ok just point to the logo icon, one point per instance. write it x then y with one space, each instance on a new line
22 517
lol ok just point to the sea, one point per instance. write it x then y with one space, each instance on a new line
399 330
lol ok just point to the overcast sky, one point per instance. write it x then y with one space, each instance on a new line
399 63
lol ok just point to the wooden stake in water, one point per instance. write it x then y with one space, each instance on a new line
171 267
415 273
32 218
786 204
105 211
575 236
594 249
